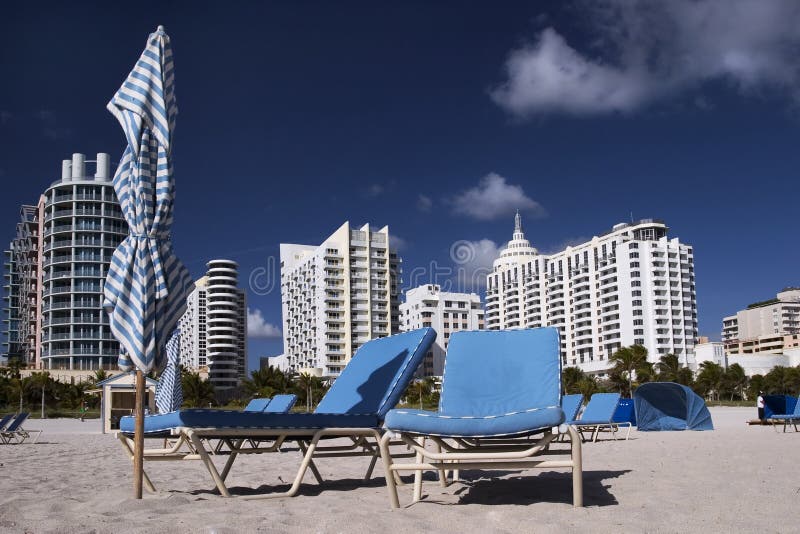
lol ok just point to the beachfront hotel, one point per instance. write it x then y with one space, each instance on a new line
765 327
213 329
428 306
631 285
56 269
336 296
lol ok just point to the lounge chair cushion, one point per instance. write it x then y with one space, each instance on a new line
375 377
204 418
257 405
437 424
599 410
496 383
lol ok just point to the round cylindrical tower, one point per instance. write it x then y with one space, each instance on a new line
223 313
83 225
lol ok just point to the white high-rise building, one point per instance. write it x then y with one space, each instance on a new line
337 296
214 326
429 306
81 224
780 315
631 285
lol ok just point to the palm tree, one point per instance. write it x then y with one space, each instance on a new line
571 378
710 379
99 376
735 380
265 382
587 386
669 367
627 360
196 391
421 387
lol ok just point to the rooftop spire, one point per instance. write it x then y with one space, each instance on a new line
518 233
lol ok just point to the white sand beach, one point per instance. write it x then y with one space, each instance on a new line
738 478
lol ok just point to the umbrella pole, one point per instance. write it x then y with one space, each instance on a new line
138 437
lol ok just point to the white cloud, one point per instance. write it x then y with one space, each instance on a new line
257 327
493 198
424 203
473 261
397 242
648 50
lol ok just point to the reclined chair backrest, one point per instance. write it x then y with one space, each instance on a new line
257 405
571 404
4 421
500 372
281 403
377 374
13 427
600 408
797 407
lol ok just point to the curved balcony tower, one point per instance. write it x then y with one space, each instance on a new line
82 226
225 327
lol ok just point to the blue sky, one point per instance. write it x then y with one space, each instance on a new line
297 116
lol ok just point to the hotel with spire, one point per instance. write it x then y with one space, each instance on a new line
631 285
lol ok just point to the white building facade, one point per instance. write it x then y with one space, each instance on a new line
213 329
337 296
428 306
631 285
768 319
81 226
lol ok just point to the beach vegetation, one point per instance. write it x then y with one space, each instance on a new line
197 392
629 363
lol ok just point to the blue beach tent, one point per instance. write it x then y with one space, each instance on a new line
670 406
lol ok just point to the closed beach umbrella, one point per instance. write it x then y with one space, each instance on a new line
146 286
169 393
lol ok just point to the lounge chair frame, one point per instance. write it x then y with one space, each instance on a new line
15 434
190 444
471 453
596 428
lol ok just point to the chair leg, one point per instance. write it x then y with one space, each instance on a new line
311 464
577 466
234 446
391 485
418 473
212 469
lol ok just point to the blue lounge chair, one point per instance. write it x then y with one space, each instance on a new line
257 405
5 420
499 408
787 418
281 403
14 433
599 415
354 407
571 405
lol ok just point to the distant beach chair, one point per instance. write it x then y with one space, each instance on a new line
257 404
15 434
788 418
5 420
281 403
571 405
354 407
599 416
499 409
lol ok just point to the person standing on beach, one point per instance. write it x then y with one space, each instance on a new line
760 406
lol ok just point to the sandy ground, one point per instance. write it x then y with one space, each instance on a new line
738 478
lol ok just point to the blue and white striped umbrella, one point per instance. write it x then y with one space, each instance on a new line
169 393
146 286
